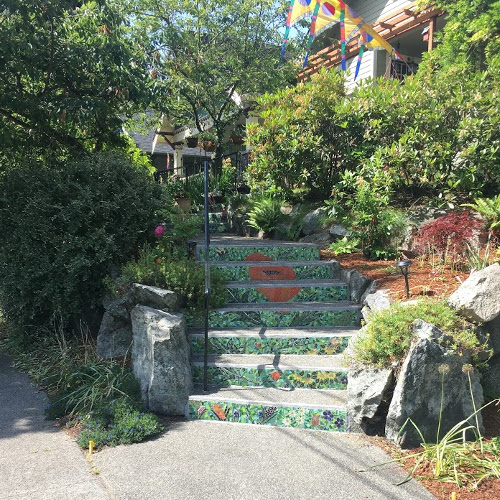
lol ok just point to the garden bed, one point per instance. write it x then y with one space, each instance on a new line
426 278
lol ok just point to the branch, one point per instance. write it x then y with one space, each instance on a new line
64 139
51 59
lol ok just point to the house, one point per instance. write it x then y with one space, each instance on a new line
409 30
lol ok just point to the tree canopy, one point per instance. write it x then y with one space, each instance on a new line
207 56
68 71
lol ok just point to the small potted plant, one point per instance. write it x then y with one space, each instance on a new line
192 142
176 188
208 141
237 136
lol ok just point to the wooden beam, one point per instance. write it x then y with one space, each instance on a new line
400 22
432 29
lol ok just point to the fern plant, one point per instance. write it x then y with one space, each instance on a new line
489 208
266 214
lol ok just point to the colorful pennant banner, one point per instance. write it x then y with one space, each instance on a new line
327 13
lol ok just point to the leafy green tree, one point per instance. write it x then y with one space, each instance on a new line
470 37
65 227
208 56
68 72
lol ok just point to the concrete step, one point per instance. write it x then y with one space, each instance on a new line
278 371
309 341
234 248
285 314
287 291
279 270
301 408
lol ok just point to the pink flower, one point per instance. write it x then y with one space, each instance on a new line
159 231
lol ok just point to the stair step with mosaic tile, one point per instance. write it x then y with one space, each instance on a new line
300 408
217 222
278 270
280 371
274 349
282 314
281 291
241 249
309 341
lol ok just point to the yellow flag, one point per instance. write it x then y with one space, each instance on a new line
301 8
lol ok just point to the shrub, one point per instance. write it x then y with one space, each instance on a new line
117 422
378 228
387 337
448 235
180 274
63 228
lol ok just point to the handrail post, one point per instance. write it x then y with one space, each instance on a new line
207 278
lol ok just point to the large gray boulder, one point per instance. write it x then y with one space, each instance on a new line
114 338
157 298
419 392
338 232
491 379
374 303
115 333
358 283
368 394
160 359
312 221
478 297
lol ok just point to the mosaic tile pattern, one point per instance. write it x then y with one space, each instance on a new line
241 273
270 345
259 414
239 253
218 227
332 293
218 319
217 217
224 376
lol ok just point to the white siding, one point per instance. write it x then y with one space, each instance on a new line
365 71
371 10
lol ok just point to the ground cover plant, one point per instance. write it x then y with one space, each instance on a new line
100 397
387 337
116 422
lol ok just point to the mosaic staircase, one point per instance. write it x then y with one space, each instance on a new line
274 351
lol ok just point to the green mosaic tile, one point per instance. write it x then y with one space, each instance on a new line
218 227
217 217
259 414
240 273
270 345
347 317
224 376
239 253
332 293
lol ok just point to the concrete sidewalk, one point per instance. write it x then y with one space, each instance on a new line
190 460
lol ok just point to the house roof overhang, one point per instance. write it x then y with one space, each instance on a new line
389 27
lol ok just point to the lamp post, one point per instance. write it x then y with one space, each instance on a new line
403 266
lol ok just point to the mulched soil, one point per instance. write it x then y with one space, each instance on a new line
426 278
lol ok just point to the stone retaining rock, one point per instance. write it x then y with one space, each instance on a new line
368 389
374 303
115 333
478 297
160 359
157 298
418 394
